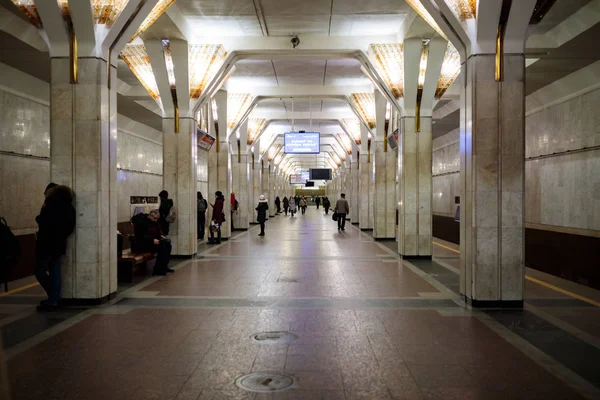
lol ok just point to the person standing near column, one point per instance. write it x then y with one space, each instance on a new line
292 206
278 204
202 206
286 205
164 209
263 206
318 202
342 208
56 222
218 217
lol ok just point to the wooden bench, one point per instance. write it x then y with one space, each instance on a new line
130 263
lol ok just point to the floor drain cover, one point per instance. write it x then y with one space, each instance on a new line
264 382
274 337
288 280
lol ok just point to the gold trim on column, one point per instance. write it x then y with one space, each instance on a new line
252 161
73 57
418 111
176 117
368 150
499 75
239 151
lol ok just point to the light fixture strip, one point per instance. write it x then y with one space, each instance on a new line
156 12
136 58
237 104
463 9
450 70
365 103
418 7
389 61
204 62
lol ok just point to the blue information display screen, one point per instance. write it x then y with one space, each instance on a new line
302 143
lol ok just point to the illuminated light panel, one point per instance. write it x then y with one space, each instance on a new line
418 7
169 63
215 110
272 151
423 65
106 12
204 60
463 9
352 126
28 8
237 104
255 126
450 70
335 158
365 104
389 62
345 140
278 158
156 12
136 58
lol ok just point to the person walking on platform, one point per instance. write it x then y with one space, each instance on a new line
218 217
342 208
292 206
326 205
167 212
56 223
202 206
286 205
303 204
278 204
263 206
150 239
318 202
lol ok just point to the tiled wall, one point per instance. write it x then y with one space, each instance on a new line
561 190
446 173
24 132
25 165
202 176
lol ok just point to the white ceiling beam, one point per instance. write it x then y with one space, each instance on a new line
304 115
314 91
21 30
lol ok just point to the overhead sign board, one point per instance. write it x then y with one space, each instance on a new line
302 143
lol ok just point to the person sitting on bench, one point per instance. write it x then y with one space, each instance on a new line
149 239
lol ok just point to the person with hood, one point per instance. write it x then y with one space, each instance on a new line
150 239
286 205
164 209
218 217
326 205
318 201
261 217
202 206
278 204
56 222
292 206
303 204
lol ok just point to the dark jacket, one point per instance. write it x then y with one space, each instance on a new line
326 203
165 207
262 208
145 232
277 201
286 202
56 222
217 214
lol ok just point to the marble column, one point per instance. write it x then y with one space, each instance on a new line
264 189
83 156
271 189
354 192
257 190
365 173
384 204
179 179
492 180
414 163
241 177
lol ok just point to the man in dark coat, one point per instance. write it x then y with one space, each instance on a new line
263 206
149 238
56 222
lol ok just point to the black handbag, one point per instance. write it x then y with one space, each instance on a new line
334 216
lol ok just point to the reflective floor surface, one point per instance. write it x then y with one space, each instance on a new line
364 325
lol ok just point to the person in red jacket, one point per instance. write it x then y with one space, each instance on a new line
218 217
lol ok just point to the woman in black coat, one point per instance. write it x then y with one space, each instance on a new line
261 217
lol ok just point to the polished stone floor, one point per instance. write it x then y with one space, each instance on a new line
367 325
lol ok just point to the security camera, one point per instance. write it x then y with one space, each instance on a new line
295 41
